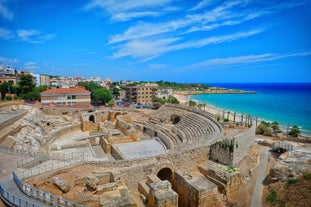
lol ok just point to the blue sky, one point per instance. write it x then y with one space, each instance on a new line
185 41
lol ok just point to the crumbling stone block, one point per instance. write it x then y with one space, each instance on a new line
107 187
91 183
61 184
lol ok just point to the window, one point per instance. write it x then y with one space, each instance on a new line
61 97
69 97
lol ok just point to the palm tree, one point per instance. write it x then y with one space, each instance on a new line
234 117
204 105
199 105
192 103
228 115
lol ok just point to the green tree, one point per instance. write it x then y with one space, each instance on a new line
101 96
192 103
26 84
111 102
116 92
200 105
90 86
41 88
172 100
160 100
32 96
6 87
295 131
275 125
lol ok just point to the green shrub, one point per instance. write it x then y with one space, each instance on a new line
231 169
271 197
295 131
267 131
226 120
292 181
9 98
307 176
264 128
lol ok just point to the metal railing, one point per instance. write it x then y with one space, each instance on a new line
42 195
15 199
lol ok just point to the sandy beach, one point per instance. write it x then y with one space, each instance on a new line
183 99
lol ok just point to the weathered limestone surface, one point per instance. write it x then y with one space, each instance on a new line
117 198
231 151
61 184
161 195
91 182
225 178
291 164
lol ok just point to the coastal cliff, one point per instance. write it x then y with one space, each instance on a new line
213 90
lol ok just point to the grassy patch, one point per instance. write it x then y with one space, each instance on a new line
307 176
272 197
292 181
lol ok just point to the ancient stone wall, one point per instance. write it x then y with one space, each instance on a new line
231 151
243 142
51 137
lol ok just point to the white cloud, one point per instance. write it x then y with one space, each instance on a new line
148 40
246 59
157 66
5 34
31 65
129 9
152 48
147 49
203 4
5 12
8 61
34 36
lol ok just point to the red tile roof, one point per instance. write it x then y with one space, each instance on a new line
66 91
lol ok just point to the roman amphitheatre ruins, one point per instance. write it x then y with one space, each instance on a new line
172 156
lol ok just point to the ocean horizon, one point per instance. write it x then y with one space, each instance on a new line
286 103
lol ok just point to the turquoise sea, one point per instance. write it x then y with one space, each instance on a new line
286 103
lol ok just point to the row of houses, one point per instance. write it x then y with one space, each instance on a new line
66 92
79 96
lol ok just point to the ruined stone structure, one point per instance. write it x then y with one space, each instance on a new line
174 177
231 151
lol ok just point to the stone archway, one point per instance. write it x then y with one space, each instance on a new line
166 174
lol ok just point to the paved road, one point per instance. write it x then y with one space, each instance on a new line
257 194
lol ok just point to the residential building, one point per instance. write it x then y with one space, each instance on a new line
36 79
7 71
141 93
45 80
10 79
67 97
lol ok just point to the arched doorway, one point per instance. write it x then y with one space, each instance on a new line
175 119
92 118
165 174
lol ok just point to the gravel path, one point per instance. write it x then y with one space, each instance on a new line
257 194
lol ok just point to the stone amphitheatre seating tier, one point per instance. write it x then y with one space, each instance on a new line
193 126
